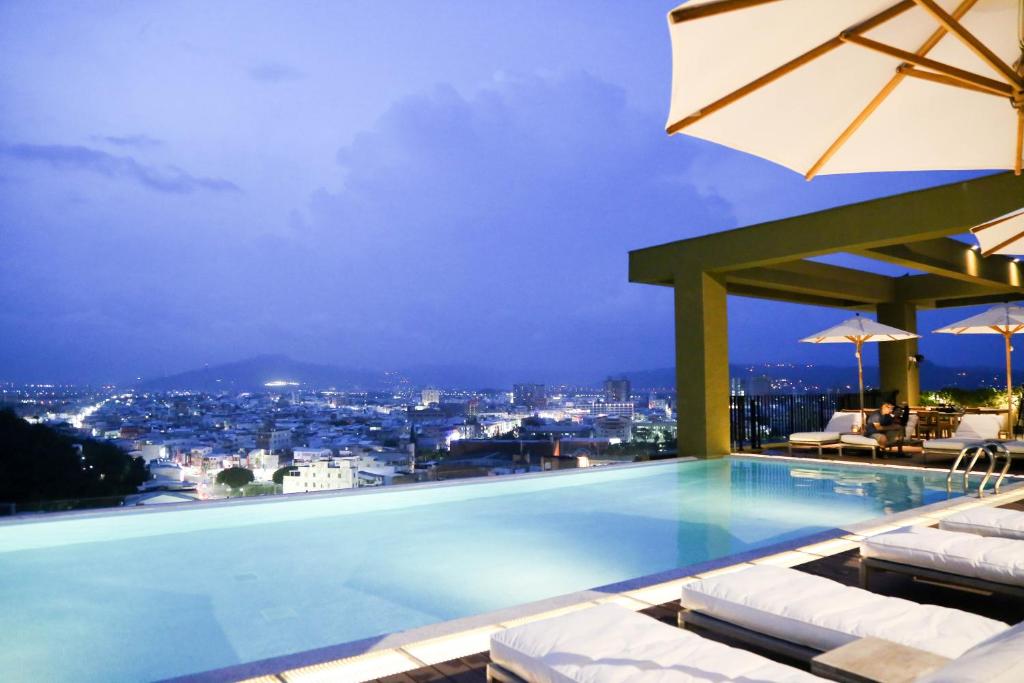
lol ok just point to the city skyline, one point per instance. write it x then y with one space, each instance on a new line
192 185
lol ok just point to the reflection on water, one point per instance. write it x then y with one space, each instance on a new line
893 491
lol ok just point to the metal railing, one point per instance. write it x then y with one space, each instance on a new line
756 420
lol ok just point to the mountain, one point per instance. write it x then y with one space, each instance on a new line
252 374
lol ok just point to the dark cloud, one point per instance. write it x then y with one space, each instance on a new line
167 179
275 72
134 141
494 228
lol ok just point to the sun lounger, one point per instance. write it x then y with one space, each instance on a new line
799 615
841 423
855 442
973 430
985 521
979 562
995 660
612 644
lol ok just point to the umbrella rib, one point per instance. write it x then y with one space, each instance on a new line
967 38
996 221
712 8
984 82
886 90
1003 244
910 70
789 66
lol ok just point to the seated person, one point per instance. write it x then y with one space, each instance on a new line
880 423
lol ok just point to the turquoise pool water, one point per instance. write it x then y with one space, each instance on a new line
129 597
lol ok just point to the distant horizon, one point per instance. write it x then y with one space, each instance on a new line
458 374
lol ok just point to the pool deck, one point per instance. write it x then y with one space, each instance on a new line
457 651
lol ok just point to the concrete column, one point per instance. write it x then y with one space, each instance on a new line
702 364
896 371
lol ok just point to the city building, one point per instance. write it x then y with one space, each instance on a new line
618 409
430 396
322 475
614 427
617 390
531 396
274 439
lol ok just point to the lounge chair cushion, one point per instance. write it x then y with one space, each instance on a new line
995 660
824 614
983 557
612 644
1016 447
952 444
840 423
979 427
858 440
985 521
815 437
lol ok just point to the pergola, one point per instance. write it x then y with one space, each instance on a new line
769 261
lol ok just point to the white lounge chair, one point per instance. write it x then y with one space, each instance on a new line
995 660
612 644
801 615
860 442
980 562
973 430
841 423
985 521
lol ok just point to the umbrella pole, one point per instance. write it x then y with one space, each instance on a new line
860 376
1009 387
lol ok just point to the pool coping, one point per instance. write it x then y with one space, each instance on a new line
402 651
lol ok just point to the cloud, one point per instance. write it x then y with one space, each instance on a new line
136 141
275 72
496 225
167 179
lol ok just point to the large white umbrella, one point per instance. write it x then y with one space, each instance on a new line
857 331
1003 235
844 86
1004 319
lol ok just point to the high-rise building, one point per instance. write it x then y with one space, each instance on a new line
530 395
617 390
428 396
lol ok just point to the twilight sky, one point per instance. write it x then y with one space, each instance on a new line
367 184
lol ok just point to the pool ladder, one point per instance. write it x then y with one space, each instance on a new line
993 450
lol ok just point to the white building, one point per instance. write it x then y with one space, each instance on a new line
155 451
311 454
428 396
613 427
322 475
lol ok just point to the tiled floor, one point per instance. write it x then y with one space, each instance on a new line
842 567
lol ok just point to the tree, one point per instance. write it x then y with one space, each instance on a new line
39 464
280 474
235 477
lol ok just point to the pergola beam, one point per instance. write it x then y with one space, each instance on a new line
948 258
924 214
934 290
798 280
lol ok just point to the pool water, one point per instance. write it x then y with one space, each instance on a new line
127 597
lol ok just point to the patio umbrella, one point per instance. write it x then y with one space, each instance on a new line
1003 235
857 331
833 86
1004 319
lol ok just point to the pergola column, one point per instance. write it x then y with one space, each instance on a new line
702 364
895 369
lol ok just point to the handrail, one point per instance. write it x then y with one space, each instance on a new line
956 465
978 452
995 450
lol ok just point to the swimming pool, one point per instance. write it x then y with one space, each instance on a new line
158 593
